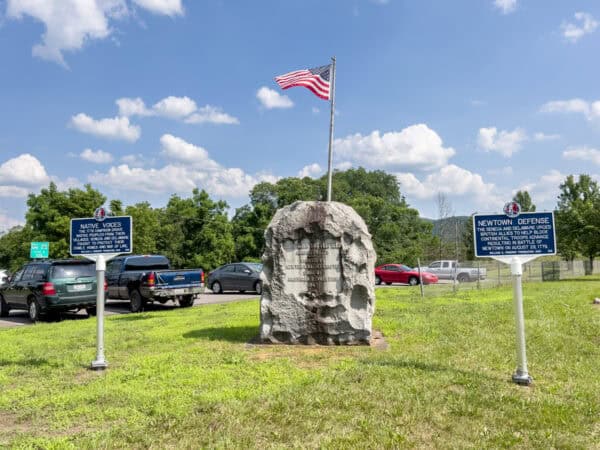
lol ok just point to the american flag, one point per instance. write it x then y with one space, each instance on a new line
317 80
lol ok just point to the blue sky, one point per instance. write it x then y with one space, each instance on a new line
474 99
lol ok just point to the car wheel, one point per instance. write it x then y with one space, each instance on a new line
377 279
388 283
463 277
91 311
34 310
3 307
413 281
136 301
258 287
216 288
186 301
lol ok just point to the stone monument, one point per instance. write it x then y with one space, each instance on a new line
318 276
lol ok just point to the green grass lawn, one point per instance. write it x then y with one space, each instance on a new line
187 378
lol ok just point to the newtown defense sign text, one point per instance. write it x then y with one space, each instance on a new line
526 234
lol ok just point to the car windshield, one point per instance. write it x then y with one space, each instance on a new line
257 267
73 270
405 268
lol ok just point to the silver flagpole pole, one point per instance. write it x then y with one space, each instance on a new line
330 162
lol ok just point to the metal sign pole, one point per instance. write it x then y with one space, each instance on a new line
100 363
521 376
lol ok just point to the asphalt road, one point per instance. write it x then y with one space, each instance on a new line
20 318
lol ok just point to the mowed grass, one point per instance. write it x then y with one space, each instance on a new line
187 378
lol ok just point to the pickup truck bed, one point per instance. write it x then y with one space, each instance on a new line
448 269
148 278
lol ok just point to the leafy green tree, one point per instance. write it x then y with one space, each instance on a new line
196 232
524 199
578 218
50 213
146 227
14 247
116 208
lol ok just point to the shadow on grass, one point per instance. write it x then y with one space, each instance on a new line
29 362
131 317
230 334
429 367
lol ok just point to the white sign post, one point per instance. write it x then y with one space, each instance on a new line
100 239
515 238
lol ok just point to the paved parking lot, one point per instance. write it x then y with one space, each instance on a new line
20 318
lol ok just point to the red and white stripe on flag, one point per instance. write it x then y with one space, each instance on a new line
316 80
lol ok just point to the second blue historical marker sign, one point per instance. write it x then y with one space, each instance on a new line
101 235
525 234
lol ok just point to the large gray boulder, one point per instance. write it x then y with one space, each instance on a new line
318 276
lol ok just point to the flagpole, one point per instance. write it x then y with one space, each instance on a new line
330 162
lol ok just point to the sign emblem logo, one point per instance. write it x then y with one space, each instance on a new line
100 214
512 209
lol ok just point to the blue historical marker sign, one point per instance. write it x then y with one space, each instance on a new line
523 234
101 235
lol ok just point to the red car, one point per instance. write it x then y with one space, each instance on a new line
399 273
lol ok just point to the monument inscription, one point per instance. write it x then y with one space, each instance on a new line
318 276
312 266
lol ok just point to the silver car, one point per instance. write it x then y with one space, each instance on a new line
243 276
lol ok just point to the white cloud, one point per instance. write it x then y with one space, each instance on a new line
506 6
21 175
271 99
13 191
6 222
584 24
545 190
136 160
181 151
116 128
416 146
504 142
71 24
167 179
190 166
163 7
590 110
181 108
132 107
212 114
312 171
583 154
24 170
175 107
315 110
96 157
452 180
540 137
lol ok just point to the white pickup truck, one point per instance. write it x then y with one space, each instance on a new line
448 269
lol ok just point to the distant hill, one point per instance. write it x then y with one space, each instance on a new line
447 226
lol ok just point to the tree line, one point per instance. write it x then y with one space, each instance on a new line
196 231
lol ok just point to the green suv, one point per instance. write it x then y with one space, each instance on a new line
46 288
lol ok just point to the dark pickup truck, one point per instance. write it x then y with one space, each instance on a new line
148 278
